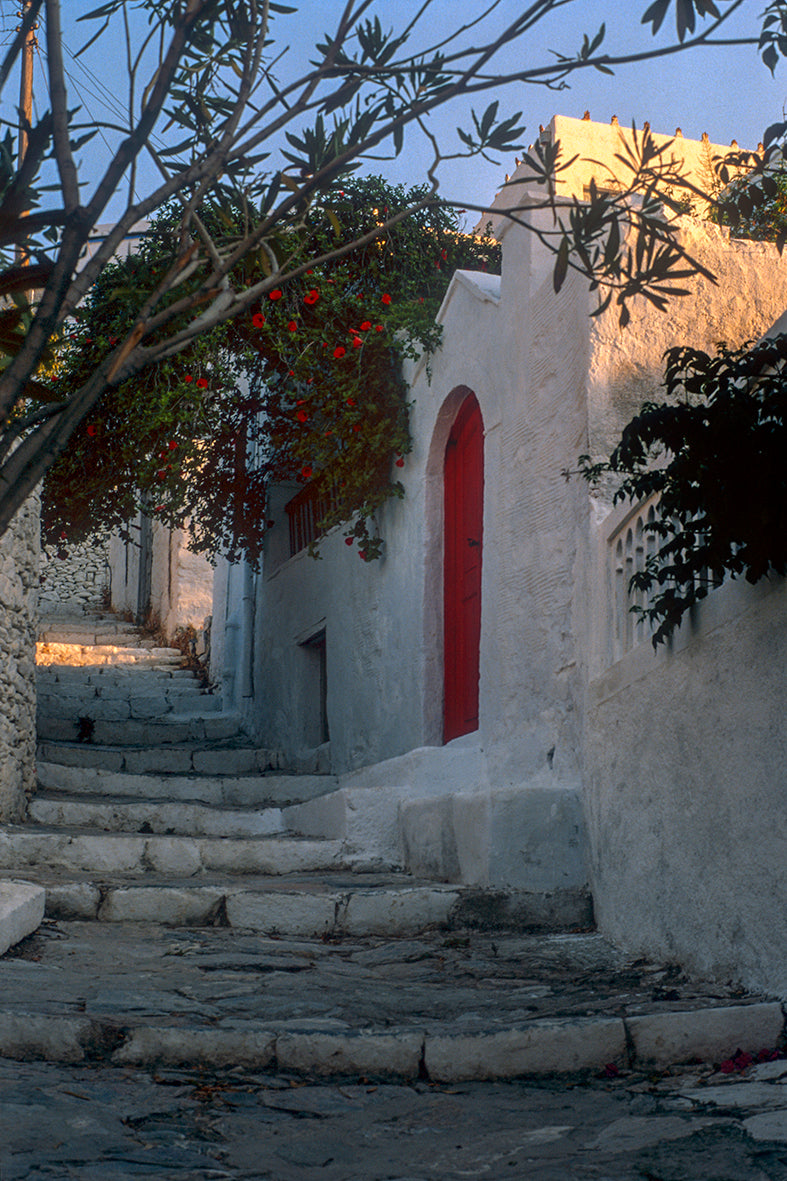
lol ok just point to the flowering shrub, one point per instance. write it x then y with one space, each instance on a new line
307 387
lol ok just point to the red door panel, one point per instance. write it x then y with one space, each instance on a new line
464 519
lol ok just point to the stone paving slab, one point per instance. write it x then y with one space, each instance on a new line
73 1123
451 1006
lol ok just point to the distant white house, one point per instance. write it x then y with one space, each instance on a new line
493 712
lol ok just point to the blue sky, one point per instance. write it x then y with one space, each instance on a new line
726 91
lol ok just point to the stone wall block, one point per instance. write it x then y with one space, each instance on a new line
19 574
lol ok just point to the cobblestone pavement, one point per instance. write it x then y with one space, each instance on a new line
101 1123
461 980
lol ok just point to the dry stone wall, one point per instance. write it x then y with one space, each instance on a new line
75 578
19 566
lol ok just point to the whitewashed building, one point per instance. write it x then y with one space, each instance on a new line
493 712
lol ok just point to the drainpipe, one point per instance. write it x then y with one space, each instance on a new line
247 632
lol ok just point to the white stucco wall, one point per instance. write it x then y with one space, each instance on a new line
686 784
181 583
552 383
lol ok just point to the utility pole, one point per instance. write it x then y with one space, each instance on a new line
26 104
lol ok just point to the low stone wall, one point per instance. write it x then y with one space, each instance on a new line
19 563
75 577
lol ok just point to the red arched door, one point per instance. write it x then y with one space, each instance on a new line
464 521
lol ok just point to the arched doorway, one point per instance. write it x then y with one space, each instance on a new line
463 490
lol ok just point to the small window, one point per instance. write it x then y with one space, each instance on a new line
305 512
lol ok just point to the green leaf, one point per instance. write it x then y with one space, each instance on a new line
561 265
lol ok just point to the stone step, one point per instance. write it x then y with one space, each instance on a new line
178 728
22 850
80 655
72 677
90 637
448 1007
357 900
160 818
120 707
186 759
228 791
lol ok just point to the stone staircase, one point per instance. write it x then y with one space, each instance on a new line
153 806
190 924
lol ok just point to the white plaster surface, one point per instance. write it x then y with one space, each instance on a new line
685 793
682 771
21 911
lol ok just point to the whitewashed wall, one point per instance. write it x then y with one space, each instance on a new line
504 805
19 571
181 583
686 786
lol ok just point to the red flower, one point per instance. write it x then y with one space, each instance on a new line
356 428
112 341
400 462
92 429
159 508
258 320
362 554
302 416
365 326
339 352
357 342
63 535
351 401
277 294
306 472
188 377
444 255
292 326
379 328
202 383
385 298
349 540
312 297
172 445
161 474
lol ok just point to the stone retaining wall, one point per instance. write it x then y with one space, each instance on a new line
19 565
75 576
